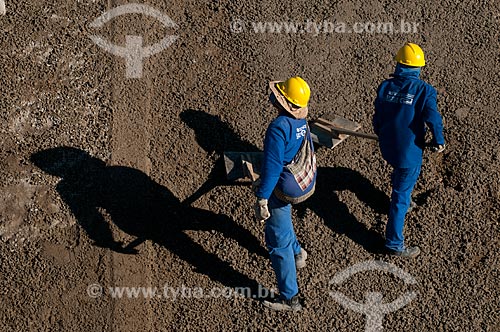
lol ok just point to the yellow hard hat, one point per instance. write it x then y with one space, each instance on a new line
295 90
411 55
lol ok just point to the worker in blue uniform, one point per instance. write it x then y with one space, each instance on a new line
288 176
405 107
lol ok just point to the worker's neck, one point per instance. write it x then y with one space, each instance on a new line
402 70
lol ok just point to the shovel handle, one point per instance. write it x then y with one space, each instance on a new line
327 125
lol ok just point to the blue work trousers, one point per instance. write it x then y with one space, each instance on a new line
403 181
282 245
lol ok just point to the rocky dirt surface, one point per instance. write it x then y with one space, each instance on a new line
115 181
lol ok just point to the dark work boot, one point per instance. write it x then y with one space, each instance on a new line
284 305
406 252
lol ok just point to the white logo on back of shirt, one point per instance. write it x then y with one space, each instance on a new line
399 98
301 132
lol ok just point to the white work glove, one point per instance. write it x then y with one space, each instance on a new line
438 148
261 209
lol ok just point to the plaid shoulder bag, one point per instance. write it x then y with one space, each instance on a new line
303 169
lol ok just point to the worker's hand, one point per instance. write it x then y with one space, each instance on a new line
438 148
261 209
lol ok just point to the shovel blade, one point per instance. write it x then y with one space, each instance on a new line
234 162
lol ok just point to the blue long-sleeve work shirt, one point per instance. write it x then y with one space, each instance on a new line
404 106
282 142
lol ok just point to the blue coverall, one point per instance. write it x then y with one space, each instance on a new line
283 139
404 106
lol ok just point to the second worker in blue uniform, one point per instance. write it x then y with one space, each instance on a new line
404 107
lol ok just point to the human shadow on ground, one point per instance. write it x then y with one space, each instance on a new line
326 204
215 136
141 208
